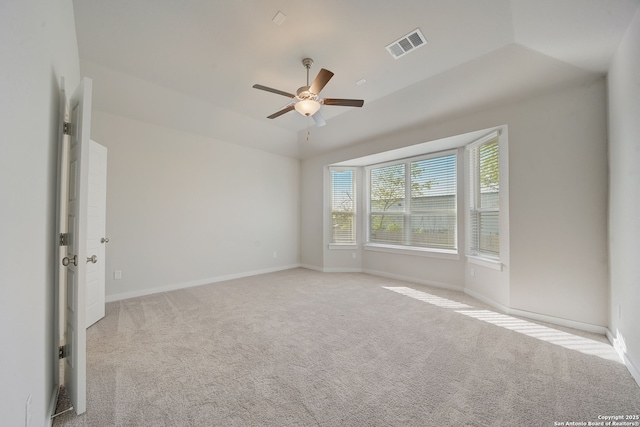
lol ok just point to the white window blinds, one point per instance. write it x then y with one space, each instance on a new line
387 204
433 203
484 213
413 203
343 206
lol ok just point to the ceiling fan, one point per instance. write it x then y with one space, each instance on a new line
306 101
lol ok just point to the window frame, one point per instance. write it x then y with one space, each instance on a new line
475 254
407 248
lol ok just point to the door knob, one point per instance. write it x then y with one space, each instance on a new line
92 259
66 260
104 240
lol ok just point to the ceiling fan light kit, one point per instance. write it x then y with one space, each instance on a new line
307 107
306 100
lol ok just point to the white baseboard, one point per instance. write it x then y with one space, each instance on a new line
184 285
414 280
500 307
331 270
582 326
621 350
587 327
342 270
312 267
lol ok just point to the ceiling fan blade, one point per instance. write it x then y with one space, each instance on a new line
272 90
343 102
317 117
281 112
320 81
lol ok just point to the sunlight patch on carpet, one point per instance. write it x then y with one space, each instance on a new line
534 330
431 299
544 333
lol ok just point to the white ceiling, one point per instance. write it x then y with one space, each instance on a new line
190 64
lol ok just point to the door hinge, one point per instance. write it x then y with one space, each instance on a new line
64 239
62 352
66 128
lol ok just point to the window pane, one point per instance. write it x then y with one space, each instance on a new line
485 199
342 227
387 228
433 203
428 218
488 233
433 177
388 188
342 207
489 175
436 229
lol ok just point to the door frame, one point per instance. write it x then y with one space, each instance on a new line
73 347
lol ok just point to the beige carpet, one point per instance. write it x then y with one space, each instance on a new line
302 348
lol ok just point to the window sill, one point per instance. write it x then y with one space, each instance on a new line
407 250
493 264
342 246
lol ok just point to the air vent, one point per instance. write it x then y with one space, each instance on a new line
406 44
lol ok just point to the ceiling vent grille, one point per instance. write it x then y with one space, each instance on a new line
406 44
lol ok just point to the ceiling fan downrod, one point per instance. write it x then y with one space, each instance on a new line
307 63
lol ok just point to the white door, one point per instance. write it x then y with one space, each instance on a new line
96 239
75 368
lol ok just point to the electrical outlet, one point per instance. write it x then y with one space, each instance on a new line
27 412
473 272
117 275
275 254
353 255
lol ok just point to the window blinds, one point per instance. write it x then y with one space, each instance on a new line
484 215
342 207
413 203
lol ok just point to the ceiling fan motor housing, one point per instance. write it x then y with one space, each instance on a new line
304 93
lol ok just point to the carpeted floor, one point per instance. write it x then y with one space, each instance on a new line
303 348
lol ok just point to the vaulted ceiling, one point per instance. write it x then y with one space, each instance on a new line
191 64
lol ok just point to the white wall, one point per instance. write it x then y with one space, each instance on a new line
558 205
557 265
624 195
185 209
37 46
